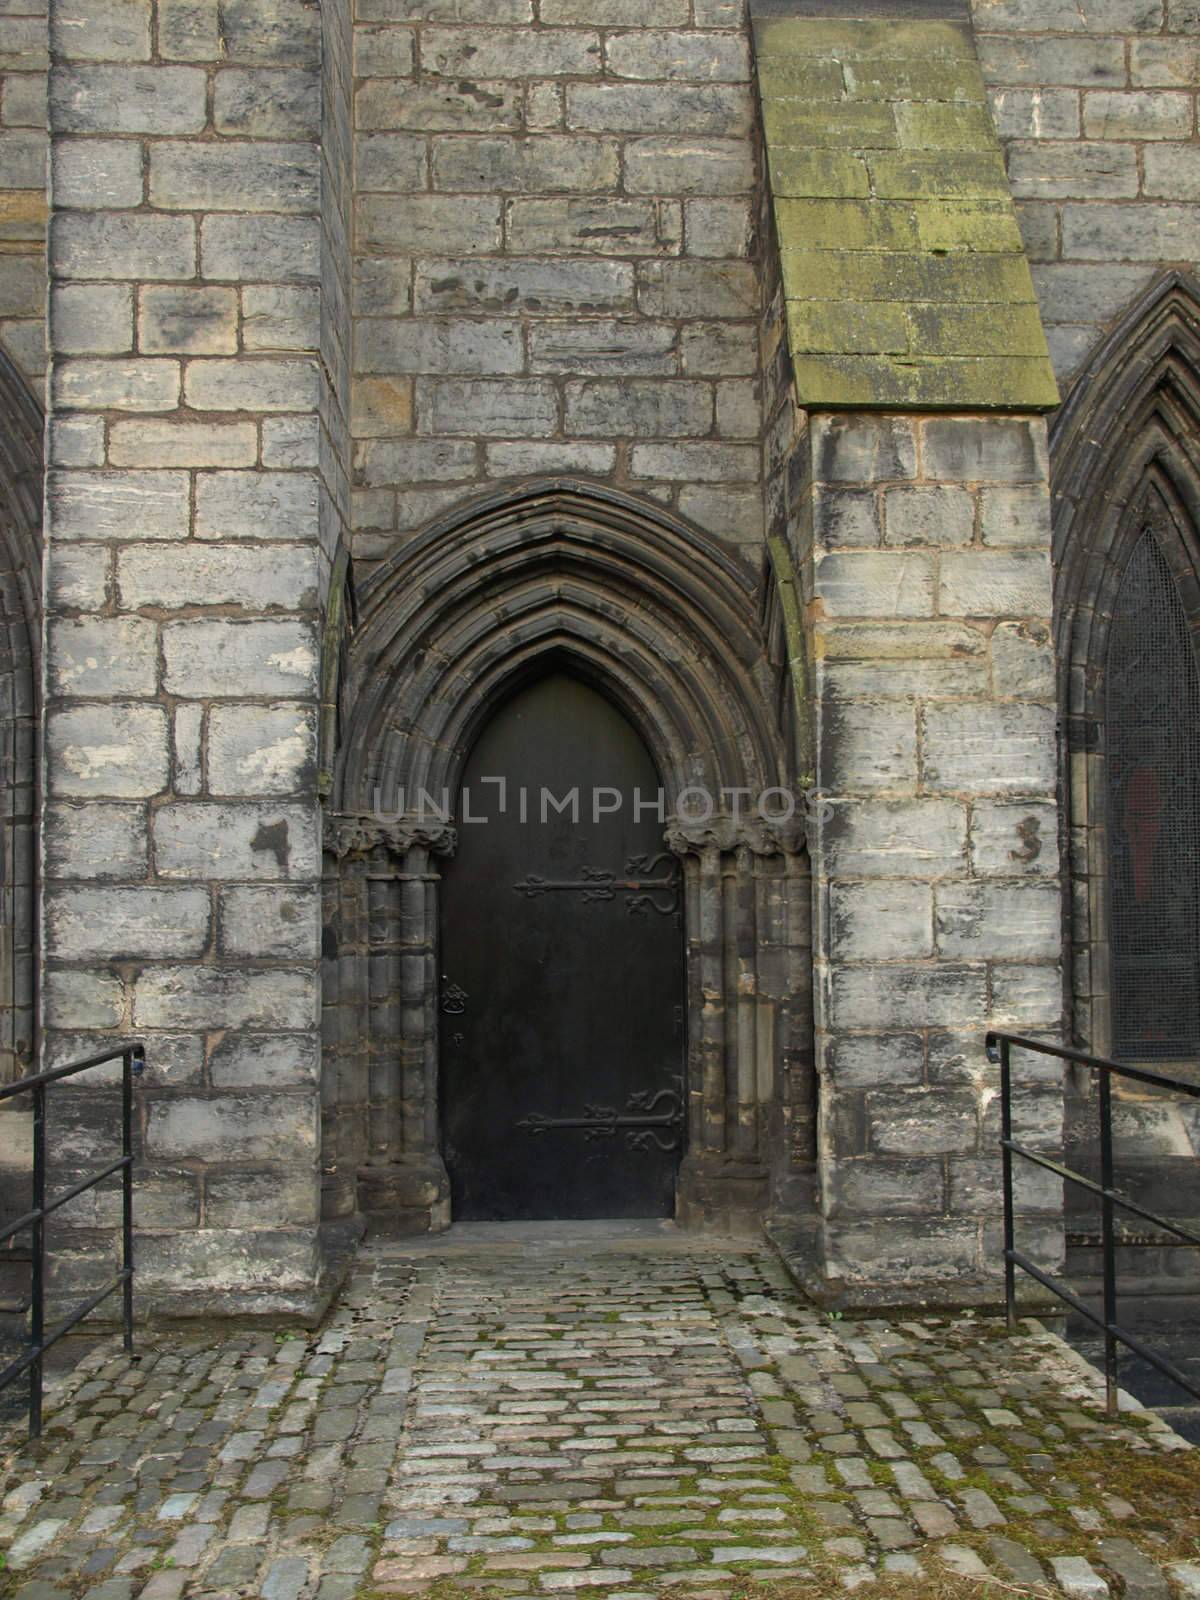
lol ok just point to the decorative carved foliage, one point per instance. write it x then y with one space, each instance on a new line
358 835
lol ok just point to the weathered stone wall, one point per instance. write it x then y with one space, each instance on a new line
1095 104
192 516
919 548
937 896
23 153
915 547
555 267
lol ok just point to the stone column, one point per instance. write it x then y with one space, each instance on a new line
936 865
191 512
732 1048
402 1183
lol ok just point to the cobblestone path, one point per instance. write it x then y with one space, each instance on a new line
528 1412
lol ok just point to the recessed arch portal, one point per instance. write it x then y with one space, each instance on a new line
664 622
1126 466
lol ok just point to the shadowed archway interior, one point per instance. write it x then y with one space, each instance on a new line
1125 454
665 623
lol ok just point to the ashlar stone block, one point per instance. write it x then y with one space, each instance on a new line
255 505
102 656
122 245
96 839
268 922
985 748
92 318
116 384
187 175
880 920
989 920
268 103
1011 838
112 923
261 749
250 841
162 443
221 658
107 749
867 745
265 384
876 837
903 996
640 407
259 577
274 1128
128 99
995 583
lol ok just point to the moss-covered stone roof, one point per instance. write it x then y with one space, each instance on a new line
903 269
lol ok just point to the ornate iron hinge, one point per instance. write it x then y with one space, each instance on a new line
653 1118
595 883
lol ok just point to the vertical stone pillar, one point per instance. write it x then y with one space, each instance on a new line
343 1027
188 532
935 856
402 1183
733 1066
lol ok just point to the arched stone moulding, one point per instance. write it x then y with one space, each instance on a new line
1125 453
657 615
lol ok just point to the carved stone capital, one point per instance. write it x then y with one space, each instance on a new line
357 835
762 836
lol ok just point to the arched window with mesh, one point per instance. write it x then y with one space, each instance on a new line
1152 735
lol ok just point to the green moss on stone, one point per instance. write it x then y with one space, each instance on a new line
839 38
830 124
938 175
933 125
995 330
923 79
845 326
967 225
818 174
904 273
897 275
846 225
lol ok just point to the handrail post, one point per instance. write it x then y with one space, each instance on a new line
1109 1243
128 1067
1010 1270
37 1315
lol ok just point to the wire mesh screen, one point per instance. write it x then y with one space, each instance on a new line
1153 761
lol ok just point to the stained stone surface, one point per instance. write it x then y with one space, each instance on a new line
594 1408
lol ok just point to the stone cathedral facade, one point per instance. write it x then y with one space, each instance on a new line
807 396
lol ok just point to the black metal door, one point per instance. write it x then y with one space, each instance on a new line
562 961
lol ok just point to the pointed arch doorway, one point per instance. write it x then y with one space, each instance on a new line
664 627
561 969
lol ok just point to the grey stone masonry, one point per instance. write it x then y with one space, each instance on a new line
555 267
1096 108
935 857
199 396
23 151
919 548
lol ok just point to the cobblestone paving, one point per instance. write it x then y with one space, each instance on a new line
529 1413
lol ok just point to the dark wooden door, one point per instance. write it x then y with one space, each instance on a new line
562 970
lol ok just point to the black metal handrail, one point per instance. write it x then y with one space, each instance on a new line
133 1060
999 1048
